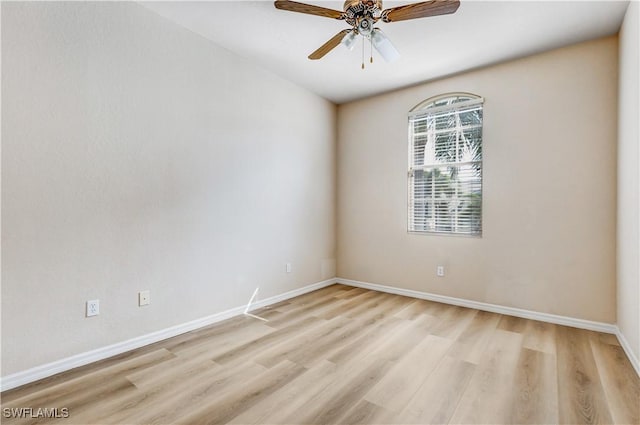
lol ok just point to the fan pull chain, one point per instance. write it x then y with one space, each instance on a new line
362 52
371 49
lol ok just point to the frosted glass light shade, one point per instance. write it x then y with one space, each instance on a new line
383 46
349 40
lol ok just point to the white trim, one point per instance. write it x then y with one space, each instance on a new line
423 106
510 311
292 294
628 351
446 109
39 372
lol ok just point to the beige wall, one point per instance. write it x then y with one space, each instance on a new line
549 188
628 182
138 155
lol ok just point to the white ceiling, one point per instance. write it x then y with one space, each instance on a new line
478 34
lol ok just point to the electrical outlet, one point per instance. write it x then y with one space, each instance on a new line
440 271
287 267
93 308
144 298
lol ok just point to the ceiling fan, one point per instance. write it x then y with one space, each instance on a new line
362 15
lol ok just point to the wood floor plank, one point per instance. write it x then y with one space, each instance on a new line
414 309
268 313
344 306
76 401
489 395
540 336
388 307
620 383
309 299
166 405
512 324
321 348
83 385
436 309
235 401
473 341
580 393
70 375
365 412
290 398
362 303
610 339
350 355
301 311
354 383
536 389
437 398
351 292
453 322
295 349
226 327
395 390
218 344
366 341
251 348
176 373
357 377
170 371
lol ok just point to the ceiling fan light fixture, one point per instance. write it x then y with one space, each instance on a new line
362 15
349 40
365 26
383 46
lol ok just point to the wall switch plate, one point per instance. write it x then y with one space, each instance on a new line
144 298
287 267
93 308
440 271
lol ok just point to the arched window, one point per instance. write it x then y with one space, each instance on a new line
445 165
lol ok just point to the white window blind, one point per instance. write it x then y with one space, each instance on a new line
445 166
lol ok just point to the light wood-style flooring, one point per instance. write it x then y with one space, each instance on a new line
345 355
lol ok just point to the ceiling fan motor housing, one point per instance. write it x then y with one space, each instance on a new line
365 26
357 10
362 15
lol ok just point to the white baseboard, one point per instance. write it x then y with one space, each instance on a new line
21 378
39 372
510 311
291 294
628 351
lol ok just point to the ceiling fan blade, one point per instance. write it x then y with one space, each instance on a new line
383 45
294 6
329 45
420 10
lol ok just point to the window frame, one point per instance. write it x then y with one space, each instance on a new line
422 108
